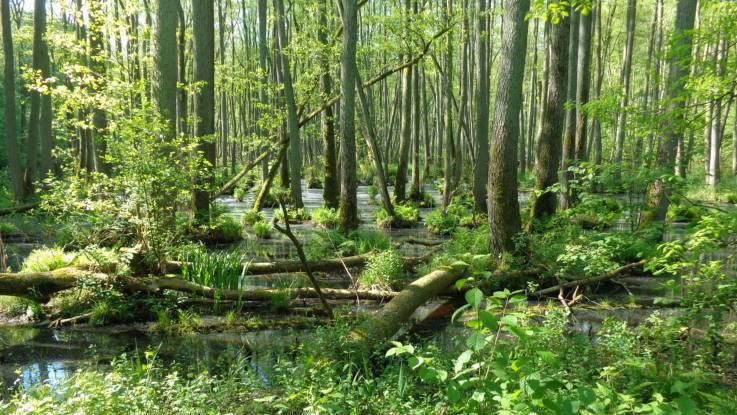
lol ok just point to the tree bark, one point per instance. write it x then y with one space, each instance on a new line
481 174
583 82
544 201
405 134
504 216
680 57
331 187
569 132
625 80
165 64
11 133
348 199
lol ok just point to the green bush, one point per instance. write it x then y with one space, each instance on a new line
685 213
332 243
46 259
326 217
441 223
251 217
299 215
227 228
263 229
383 270
405 216
7 228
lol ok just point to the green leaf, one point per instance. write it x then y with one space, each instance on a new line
686 405
464 358
489 320
474 298
476 341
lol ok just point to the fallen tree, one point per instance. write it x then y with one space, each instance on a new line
39 286
380 326
626 269
289 266
19 209
231 184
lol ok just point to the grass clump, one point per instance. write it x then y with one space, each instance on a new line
7 228
383 270
326 217
251 217
298 215
263 229
46 259
332 243
213 269
227 228
405 216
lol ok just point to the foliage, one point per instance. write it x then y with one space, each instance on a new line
222 270
263 229
405 216
332 243
383 270
46 259
250 217
298 215
326 217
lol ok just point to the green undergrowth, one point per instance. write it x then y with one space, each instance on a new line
406 215
384 270
332 243
326 217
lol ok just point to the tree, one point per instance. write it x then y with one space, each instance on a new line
481 127
331 188
569 132
11 134
658 198
549 145
583 72
504 216
450 148
405 133
165 63
294 156
348 199
625 80
203 33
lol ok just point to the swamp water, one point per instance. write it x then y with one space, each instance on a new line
30 355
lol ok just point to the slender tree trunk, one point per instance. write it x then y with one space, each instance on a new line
262 56
294 156
583 82
165 64
549 145
504 216
405 134
449 154
331 187
734 142
182 71
415 191
680 57
223 97
203 31
715 133
348 200
625 80
481 173
11 134
569 132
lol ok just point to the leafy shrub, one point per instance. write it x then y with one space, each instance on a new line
685 213
333 243
17 306
263 229
46 259
383 269
731 198
405 216
251 217
226 228
441 223
326 217
299 215
7 228
373 191
98 258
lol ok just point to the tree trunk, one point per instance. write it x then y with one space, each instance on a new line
715 132
203 33
11 134
182 71
658 195
625 80
569 132
405 133
348 200
583 82
165 64
380 326
549 144
223 98
449 154
481 174
504 216
295 146
331 187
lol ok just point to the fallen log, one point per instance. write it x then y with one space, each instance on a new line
379 327
289 266
411 240
19 209
588 281
39 286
